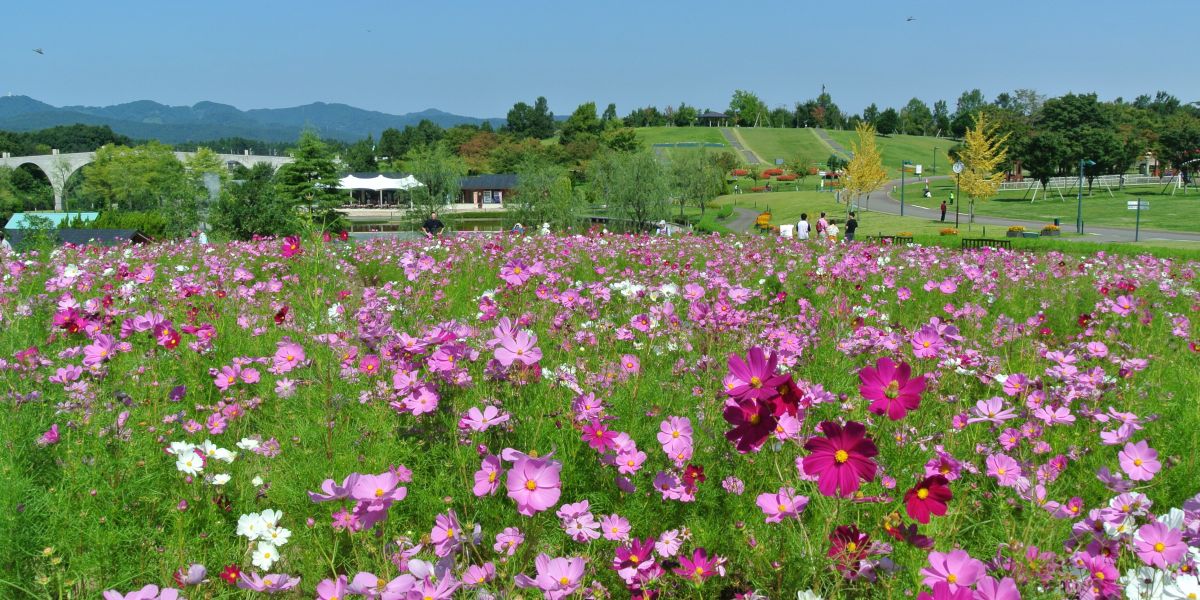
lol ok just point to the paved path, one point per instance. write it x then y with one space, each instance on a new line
928 208
736 143
833 145
744 220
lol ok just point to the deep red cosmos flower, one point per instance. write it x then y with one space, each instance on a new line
841 459
231 574
752 421
890 389
928 497
848 546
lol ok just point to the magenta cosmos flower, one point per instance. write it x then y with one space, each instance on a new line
377 488
928 497
520 347
753 422
781 505
841 459
291 247
271 583
149 592
699 567
1158 545
890 389
956 568
753 378
1139 461
534 484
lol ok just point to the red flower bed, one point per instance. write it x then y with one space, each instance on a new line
773 172
740 172
761 188
786 178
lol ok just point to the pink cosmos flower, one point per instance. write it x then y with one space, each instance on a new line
781 505
634 559
50 437
927 342
1016 384
956 568
674 429
100 350
990 589
1159 545
378 488
840 459
508 540
1139 461
446 535
556 577
477 575
514 273
534 484
991 410
150 592
368 364
598 436
890 389
943 591
333 491
630 364
271 583
442 589
332 589
476 420
288 356
630 461
520 347
487 478
615 528
1004 468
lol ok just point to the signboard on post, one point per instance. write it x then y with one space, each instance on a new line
917 169
779 162
1139 205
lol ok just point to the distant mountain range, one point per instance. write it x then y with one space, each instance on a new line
148 120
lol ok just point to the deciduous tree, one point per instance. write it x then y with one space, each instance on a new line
864 172
632 186
982 153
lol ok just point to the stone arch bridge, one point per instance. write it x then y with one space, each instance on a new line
58 168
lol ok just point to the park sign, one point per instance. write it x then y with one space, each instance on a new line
958 167
1137 204
779 162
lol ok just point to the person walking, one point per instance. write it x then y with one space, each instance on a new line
851 226
802 227
951 197
822 225
943 211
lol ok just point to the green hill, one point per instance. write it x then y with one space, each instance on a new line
675 135
788 144
896 148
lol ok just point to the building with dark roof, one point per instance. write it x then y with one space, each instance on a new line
487 191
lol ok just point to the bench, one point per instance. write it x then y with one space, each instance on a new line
889 239
985 243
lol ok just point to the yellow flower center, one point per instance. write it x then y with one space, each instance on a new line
267 583
378 492
531 485
699 571
1098 575
563 581
922 493
925 344
516 270
291 357
755 418
615 530
852 547
755 382
952 578
450 532
841 456
491 477
628 365
674 434
1159 547
1137 462
629 462
782 508
892 390
1000 471
634 559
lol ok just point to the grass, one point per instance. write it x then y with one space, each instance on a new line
894 149
788 144
1180 212
673 135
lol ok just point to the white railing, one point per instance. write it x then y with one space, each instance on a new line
1101 181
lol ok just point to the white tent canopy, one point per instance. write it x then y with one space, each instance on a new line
379 183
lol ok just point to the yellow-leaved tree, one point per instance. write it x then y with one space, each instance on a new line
982 153
864 172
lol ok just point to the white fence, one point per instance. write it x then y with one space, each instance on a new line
1101 181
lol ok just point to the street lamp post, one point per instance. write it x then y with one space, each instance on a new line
934 167
958 169
903 164
1083 162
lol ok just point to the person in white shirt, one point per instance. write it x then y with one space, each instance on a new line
802 227
832 231
4 245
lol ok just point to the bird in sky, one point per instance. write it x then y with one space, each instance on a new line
39 50
911 19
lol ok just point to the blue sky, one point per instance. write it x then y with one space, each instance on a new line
479 57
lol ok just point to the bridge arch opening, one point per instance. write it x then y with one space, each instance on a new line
32 186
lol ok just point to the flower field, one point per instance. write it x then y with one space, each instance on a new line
595 417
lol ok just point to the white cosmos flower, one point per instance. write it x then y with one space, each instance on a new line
190 464
220 479
265 555
1185 587
277 535
71 272
271 517
248 444
251 526
257 481
181 448
223 455
807 595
